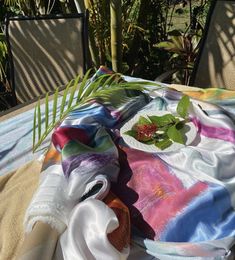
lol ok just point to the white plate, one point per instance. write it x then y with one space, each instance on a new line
189 130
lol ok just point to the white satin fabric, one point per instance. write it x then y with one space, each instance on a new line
86 235
211 159
57 196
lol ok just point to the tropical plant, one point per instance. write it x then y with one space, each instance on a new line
105 33
144 28
183 50
99 32
5 88
143 24
40 7
76 94
3 54
182 45
26 7
123 33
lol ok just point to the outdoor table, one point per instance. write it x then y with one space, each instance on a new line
16 134
16 129
197 180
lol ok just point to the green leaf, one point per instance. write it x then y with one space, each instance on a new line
34 126
75 84
111 80
175 135
39 119
178 42
46 111
164 120
143 121
151 141
180 125
130 133
163 144
88 90
167 45
83 85
160 136
63 102
54 106
183 106
141 83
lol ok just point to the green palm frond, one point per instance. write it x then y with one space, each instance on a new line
3 55
77 94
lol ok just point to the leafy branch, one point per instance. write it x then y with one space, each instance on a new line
77 94
163 130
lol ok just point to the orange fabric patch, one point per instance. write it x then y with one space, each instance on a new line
120 237
52 157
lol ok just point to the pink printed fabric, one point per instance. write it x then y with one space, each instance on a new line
153 193
221 133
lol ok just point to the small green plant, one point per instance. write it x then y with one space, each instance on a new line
162 131
183 50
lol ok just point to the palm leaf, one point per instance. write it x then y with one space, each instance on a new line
63 102
111 80
46 111
73 90
34 126
102 88
55 105
39 120
83 85
92 87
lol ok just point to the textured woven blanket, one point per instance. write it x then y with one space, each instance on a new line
16 191
178 205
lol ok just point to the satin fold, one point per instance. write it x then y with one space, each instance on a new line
86 236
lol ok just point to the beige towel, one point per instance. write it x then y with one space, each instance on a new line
16 191
39 244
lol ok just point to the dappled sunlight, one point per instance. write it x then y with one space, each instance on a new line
46 54
217 60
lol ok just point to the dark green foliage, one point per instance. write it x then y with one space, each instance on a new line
147 28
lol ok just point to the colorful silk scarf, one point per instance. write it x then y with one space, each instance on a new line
181 204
